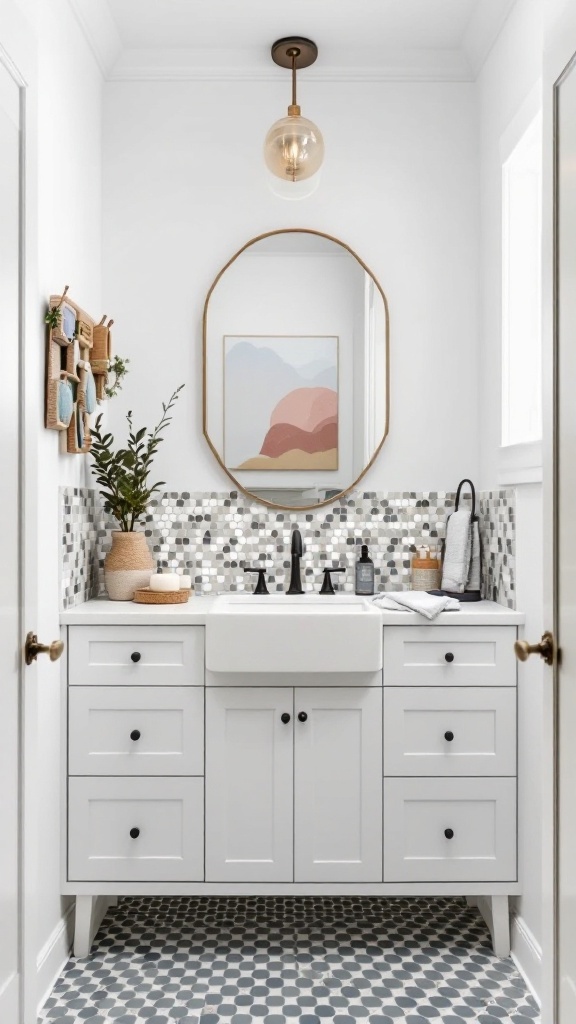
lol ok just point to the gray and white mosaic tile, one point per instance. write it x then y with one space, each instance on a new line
498 530
212 536
274 959
79 568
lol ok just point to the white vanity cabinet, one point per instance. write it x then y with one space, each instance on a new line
393 783
293 784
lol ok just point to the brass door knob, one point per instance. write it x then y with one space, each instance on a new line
545 649
32 649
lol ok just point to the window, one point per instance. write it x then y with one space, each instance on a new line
521 289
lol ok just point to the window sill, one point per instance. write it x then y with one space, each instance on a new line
520 464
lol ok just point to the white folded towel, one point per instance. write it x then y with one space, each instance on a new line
456 565
428 605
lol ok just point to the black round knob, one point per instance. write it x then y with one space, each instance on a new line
449 657
285 718
134 833
302 716
135 734
449 736
136 656
449 833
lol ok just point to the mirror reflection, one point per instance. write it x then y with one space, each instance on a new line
295 368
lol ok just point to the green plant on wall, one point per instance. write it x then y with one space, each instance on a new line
118 367
123 474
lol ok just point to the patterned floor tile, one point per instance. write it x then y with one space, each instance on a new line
276 960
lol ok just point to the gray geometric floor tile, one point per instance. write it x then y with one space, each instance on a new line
290 960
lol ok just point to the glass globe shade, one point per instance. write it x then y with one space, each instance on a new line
294 148
292 190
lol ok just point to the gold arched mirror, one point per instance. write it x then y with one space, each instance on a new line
296 375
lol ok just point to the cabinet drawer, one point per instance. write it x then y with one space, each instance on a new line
136 730
419 815
136 655
449 655
450 730
168 815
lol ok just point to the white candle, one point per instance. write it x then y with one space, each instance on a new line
164 581
185 582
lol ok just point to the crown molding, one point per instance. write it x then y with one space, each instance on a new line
486 24
136 65
120 64
95 19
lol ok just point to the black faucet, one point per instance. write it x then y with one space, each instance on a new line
296 551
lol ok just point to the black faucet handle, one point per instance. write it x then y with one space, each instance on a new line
260 587
327 587
297 546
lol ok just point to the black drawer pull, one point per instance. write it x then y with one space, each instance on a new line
135 734
449 736
449 833
134 833
302 716
136 656
449 657
285 718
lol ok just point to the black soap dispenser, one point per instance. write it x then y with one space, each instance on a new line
364 573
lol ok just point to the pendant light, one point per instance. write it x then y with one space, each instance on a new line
294 147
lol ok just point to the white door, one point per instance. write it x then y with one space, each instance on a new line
249 785
10 626
338 784
564 498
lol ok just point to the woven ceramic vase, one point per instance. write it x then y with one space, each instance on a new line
127 566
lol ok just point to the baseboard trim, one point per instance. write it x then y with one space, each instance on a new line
58 947
53 955
527 955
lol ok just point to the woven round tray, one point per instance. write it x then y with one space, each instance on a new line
147 596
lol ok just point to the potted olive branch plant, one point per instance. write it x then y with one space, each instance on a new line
124 476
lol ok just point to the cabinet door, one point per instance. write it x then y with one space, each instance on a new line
249 787
338 784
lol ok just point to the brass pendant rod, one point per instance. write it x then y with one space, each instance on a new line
294 55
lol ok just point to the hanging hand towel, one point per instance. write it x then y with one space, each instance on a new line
428 605
474 581
456 566
462 559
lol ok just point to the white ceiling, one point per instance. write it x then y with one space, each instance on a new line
421 39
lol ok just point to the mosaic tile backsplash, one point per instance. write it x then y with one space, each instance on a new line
79 567
213 535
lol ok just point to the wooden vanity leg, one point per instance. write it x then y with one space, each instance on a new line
83 925
500 925
472 901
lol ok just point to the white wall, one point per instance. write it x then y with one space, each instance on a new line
69 252
506 87
184 188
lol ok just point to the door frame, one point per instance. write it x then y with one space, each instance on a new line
18 53
559 54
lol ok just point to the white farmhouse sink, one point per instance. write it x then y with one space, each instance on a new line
293 633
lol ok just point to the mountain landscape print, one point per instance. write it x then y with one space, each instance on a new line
281 402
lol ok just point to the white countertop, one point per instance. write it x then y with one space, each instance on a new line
196 612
